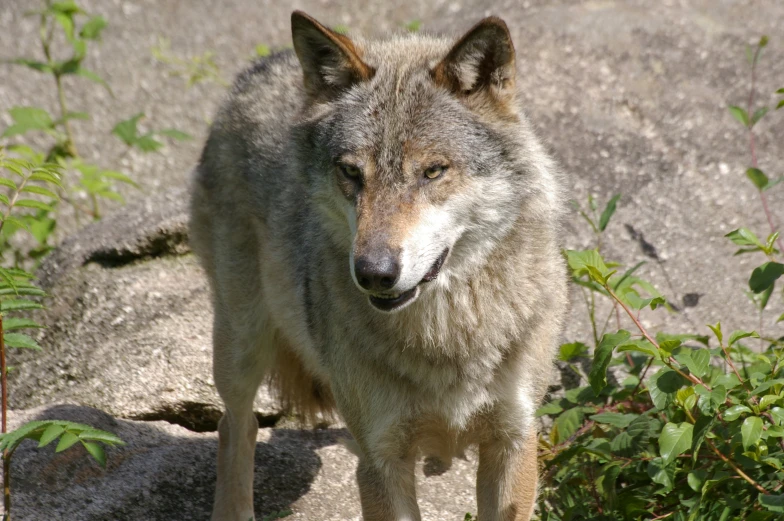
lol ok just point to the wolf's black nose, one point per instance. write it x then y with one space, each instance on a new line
377 273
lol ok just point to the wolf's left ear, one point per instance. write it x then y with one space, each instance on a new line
330 62
482 60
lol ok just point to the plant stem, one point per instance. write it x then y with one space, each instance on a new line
649 338
752 147
69 144
47 30
737 470
6 456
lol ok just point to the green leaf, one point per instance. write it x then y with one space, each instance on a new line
663 385
697 361
96 451
662 474
147 143
568 423
92 29
608 212
67 7
734 412
102 436
569 351
740 114
764 276
614 418
67 440
28 118
18 305
674 440
739 335
90 75
695 479
777 413
20 341
702 427
758 177
66 22
774 503
262 50
602 357
744 237
175 134
11 323
127 130
640 345
717 330
588 262
34 64
750 431
32 203
414 25
40 190
50 434
548 409
758 114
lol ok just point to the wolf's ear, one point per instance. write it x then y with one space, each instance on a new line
482 60
330 62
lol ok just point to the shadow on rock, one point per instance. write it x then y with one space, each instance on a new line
163 472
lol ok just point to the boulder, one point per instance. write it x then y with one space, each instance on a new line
129 323
166 472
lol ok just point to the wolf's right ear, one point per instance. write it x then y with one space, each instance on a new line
330 61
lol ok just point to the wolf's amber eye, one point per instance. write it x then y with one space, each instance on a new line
435 171
350 171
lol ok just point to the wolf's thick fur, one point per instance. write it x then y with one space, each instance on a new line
359 177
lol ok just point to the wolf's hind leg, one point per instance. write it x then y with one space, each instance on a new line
239 363
507 479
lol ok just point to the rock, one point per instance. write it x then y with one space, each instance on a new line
129 324
165 472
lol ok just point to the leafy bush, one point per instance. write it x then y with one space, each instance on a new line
690 426
35 183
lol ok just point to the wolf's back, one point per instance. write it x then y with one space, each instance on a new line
247 145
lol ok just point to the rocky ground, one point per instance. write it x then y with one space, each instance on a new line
630 95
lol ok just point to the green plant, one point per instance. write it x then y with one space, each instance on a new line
80 180
35 183
25 173
687 426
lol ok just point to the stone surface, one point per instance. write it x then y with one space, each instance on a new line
630 95
165 472
129 323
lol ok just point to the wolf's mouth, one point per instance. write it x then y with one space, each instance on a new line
395 302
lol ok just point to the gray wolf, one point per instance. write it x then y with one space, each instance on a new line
379 225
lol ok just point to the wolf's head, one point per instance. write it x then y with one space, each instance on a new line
417 152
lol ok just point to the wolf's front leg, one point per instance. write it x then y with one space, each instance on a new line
238 368
387 490
507 478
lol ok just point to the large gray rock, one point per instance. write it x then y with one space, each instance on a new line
165 472
129 323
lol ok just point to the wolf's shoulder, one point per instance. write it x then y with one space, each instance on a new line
266 94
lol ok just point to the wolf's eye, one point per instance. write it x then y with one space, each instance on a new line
350 171
435 171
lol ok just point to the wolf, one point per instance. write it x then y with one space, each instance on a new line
380 228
